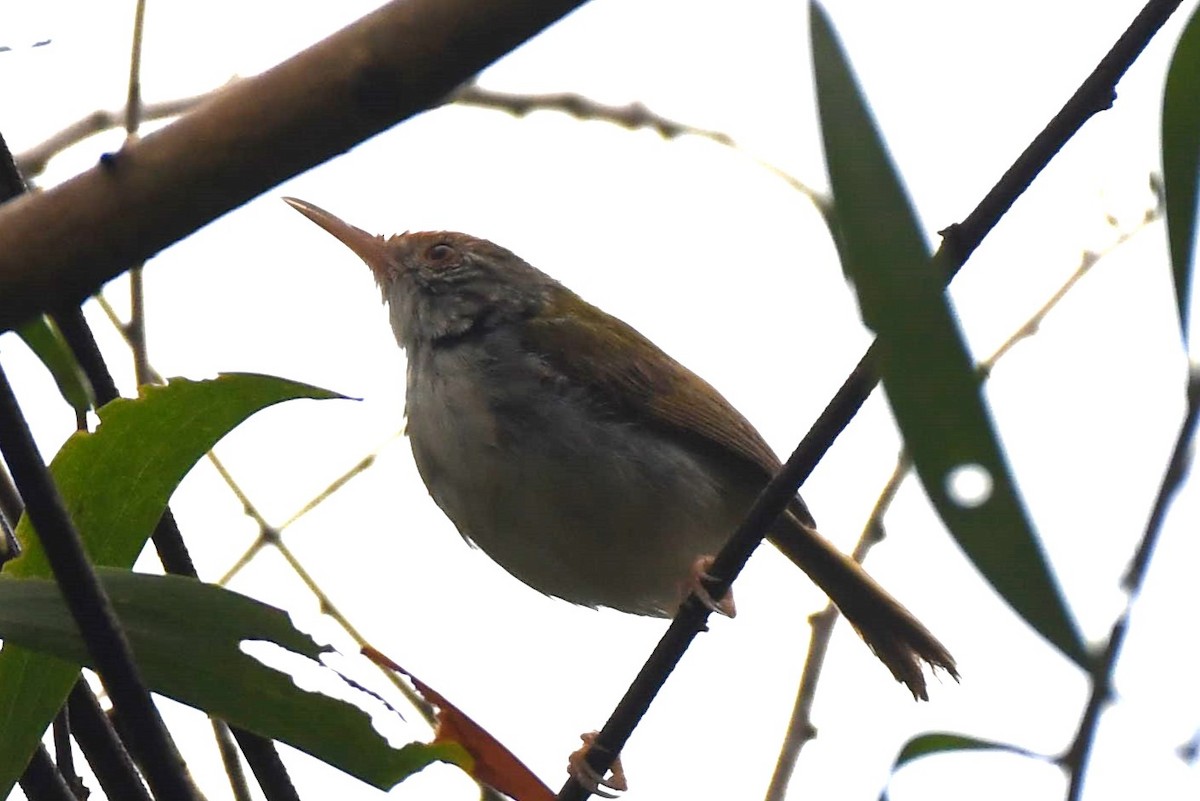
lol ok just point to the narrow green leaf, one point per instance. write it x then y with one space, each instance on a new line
116 483
186 636
944 742
1181 160
44 339
928 373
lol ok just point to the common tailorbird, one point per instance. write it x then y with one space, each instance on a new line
578 455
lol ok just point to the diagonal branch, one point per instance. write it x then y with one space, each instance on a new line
800 727
59 246
960 241
1075 761
89 605
32 162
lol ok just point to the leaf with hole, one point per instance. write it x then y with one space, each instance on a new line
116 483
186 636
928 374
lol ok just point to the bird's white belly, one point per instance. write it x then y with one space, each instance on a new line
594 511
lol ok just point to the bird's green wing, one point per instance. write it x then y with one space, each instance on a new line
631 376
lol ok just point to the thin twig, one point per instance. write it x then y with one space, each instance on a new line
167 539
1075 760
801 728
339 482
632 116
133 118
231 760
959 242
62 244
34 160
64 757
271 535
133 97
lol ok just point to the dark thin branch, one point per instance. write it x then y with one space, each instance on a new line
11 505
85 597
1181 458
800 727
88 603
1095 94
64 756
266 765
959 242
1075 761
11 185
264 760
173 554
260 753
78 335
102 747
692 616
41 781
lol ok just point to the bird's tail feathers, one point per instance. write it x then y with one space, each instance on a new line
890 630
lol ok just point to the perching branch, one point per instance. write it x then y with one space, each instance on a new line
33 161
960 241
59 246
801 728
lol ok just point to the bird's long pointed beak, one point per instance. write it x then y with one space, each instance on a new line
369 248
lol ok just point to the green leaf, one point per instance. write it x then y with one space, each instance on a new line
47 343
945 742
942 742
186 636
115 484
1181 160
928 374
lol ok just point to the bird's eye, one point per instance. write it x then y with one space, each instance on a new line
439 253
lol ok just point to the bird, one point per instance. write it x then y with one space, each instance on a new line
577 454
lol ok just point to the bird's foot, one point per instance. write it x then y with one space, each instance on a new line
586 775
696 587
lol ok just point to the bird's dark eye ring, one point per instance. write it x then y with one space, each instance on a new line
439 252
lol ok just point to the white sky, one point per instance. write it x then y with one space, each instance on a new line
715 259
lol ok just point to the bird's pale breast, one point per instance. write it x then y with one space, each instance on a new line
574 502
